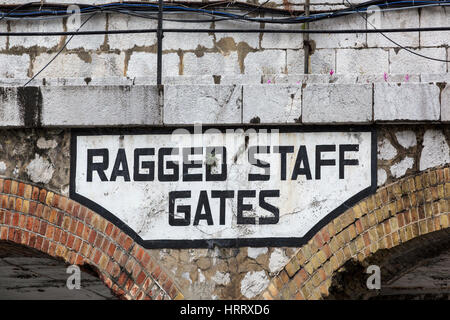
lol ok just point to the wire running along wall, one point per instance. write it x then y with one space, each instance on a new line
159 8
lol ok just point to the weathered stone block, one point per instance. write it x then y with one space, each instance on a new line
197 79
10 113
385 77
275 103
362 61
100 106
445 103
434 17
35 26
3 40
435 150
207 104
333 40
127 41
240 79
210 64
282 40
186 41
407 101
433 77
227 41
337 103
322 61
91 42
393 19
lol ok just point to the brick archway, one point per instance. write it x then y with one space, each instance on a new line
405 210
56 225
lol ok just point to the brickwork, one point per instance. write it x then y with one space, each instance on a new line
407 209
62 228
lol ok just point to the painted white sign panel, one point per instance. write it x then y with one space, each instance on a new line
230 187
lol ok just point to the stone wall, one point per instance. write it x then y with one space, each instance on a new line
227 54
41 156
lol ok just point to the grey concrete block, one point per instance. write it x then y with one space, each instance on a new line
322 61
93 42
365 61
143 64
100 106
54 25
210 64
207 104
433 77
393 19
282 40
92 65
355 40
272 103
406 101
337 103
126 41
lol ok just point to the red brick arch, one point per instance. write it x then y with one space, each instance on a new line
56 225
407 209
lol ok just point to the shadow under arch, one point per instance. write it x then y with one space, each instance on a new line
62 228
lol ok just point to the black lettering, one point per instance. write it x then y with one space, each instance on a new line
173 165
319 162
150 165
258 163
267 206
222 176
185 209
302 157
283 150
222 195
241 207
188 164
203 202
346 162
100 167
121 161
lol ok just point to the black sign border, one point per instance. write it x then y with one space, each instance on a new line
225 243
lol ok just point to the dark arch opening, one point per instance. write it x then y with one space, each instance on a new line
416 269
29 274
